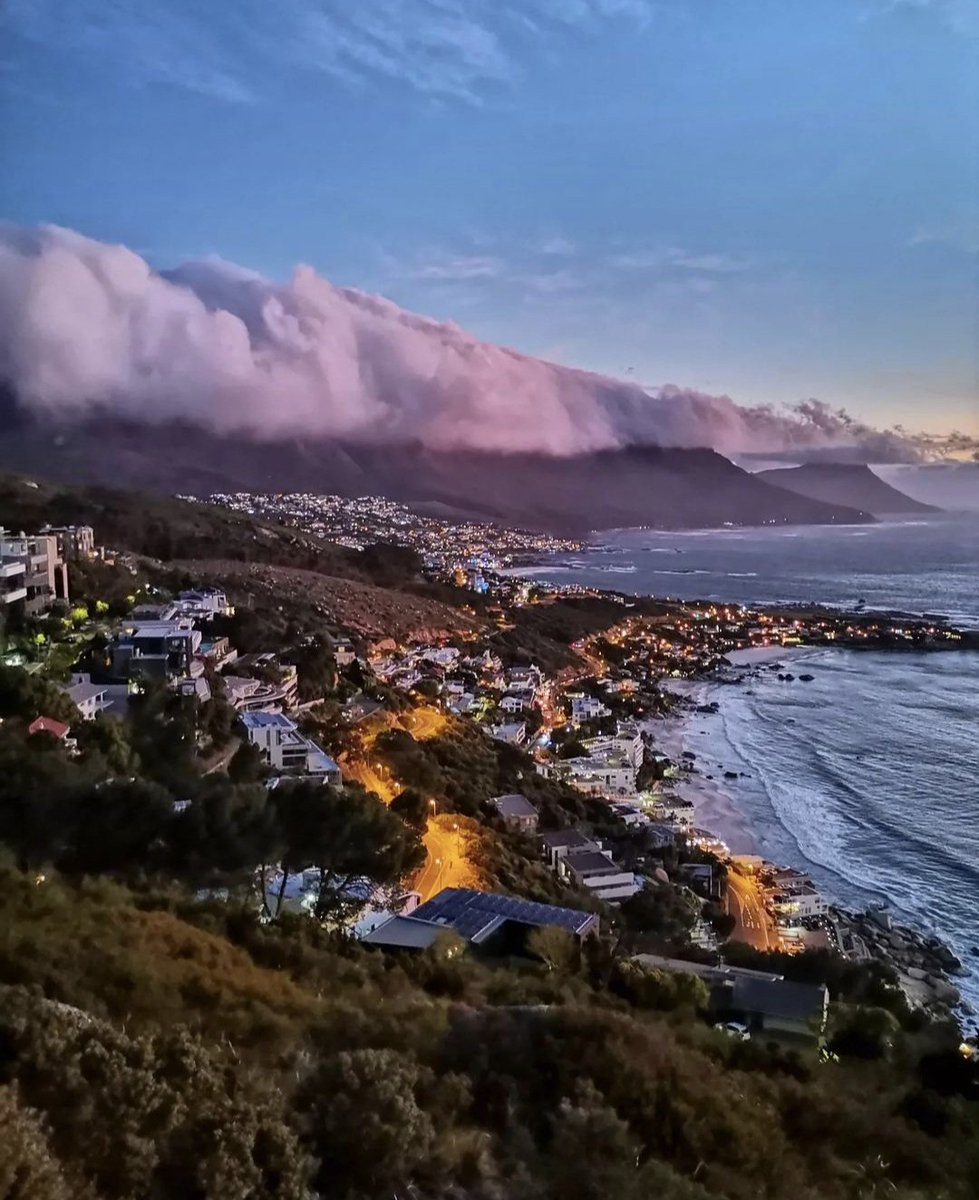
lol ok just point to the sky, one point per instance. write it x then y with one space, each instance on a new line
773 199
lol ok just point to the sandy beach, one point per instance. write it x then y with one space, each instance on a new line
715 807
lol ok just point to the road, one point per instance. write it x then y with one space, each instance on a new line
424 723
446 865
746 904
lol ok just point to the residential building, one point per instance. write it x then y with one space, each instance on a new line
773 1008
556 846
74 541
157 650
596 871
767 1004
89 698
57 729
32 572
286 750
514 733
517 812
586 708
793 906
488 920
203 604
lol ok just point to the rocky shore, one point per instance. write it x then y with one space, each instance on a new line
924 963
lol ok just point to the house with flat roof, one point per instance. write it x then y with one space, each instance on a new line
555 846
767 1004
517 812
286 750
485 919
514 733
598 873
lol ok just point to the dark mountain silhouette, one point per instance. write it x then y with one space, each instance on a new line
853 485
649 485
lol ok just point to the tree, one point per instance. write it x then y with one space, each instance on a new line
104 741
370 1132
28 1171
348 836
247 764
555 947
412 807
115 826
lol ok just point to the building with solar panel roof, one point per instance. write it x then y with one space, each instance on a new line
484 919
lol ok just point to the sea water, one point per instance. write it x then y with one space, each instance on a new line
868 776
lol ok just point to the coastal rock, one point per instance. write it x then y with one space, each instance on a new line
944 992
807 678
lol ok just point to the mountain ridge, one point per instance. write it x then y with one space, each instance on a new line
638 485
851 484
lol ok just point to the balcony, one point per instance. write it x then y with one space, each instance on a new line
13 596
9 570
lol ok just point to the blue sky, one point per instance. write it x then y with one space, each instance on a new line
771 198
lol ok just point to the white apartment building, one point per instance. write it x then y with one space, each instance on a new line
285 749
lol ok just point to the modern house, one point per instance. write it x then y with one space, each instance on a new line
517 812
32 572
514 733
766 1004
203 604
556 846
286 750
586 708
74 541
157 650
772 1007
485 919
596 871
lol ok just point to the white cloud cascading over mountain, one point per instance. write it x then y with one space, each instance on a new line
85 325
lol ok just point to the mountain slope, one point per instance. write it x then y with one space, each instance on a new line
844 483
649 485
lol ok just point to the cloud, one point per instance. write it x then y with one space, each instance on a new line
441 48
86 327
678 260
460 268
958 16
555 244
960 232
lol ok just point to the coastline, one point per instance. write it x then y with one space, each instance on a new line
716 809
929 972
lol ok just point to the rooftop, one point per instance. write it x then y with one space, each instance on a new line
514 805
266 720
474 914
592 862
566 838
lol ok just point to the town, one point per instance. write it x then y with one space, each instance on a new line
282 805
348 708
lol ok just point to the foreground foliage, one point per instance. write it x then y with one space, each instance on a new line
155 1046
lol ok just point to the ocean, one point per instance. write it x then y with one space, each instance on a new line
918 566
868 776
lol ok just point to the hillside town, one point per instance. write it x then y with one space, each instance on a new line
589 727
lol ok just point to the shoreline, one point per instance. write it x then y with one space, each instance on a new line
926 966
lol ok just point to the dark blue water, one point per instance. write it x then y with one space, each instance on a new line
869 775
919 566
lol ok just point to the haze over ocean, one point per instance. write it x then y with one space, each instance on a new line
869 775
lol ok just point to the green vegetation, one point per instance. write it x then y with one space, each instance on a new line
171 1028
151 1046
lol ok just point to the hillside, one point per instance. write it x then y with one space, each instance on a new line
374 612
647 485
849 484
